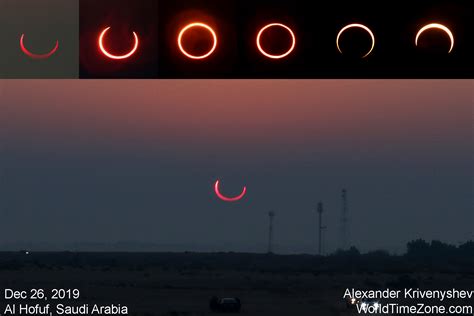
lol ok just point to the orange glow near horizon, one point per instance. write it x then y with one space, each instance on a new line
201 25
112 56
237 118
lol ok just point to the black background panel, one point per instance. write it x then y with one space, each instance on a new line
236 23
316 26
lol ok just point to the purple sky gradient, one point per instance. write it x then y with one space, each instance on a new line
126 152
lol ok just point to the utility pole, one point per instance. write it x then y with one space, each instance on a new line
321 228
271 216
344 222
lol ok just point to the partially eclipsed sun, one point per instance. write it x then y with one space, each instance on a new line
225 198
112 56
33 55
361 26
439 27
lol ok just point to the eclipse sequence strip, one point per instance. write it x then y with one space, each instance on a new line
257 39
259 46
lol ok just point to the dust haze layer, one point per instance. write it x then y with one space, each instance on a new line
107 161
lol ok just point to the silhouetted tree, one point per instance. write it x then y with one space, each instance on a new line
351 252
418 248
380 254
467 249
442 250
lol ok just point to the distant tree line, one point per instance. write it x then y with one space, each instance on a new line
420 255
423 249
419 249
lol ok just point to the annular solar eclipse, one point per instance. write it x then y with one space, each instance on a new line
226 198
275 56
436 26
213 36
261 49
201 25
361 26
243 40
104 50
35 55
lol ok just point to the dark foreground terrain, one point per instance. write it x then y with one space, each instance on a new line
178 284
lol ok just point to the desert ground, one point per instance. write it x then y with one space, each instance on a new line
185 291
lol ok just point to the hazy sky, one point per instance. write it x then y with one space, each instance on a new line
107 161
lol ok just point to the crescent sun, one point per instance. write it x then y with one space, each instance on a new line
112 56
33 55
372 36
225 198
439 27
